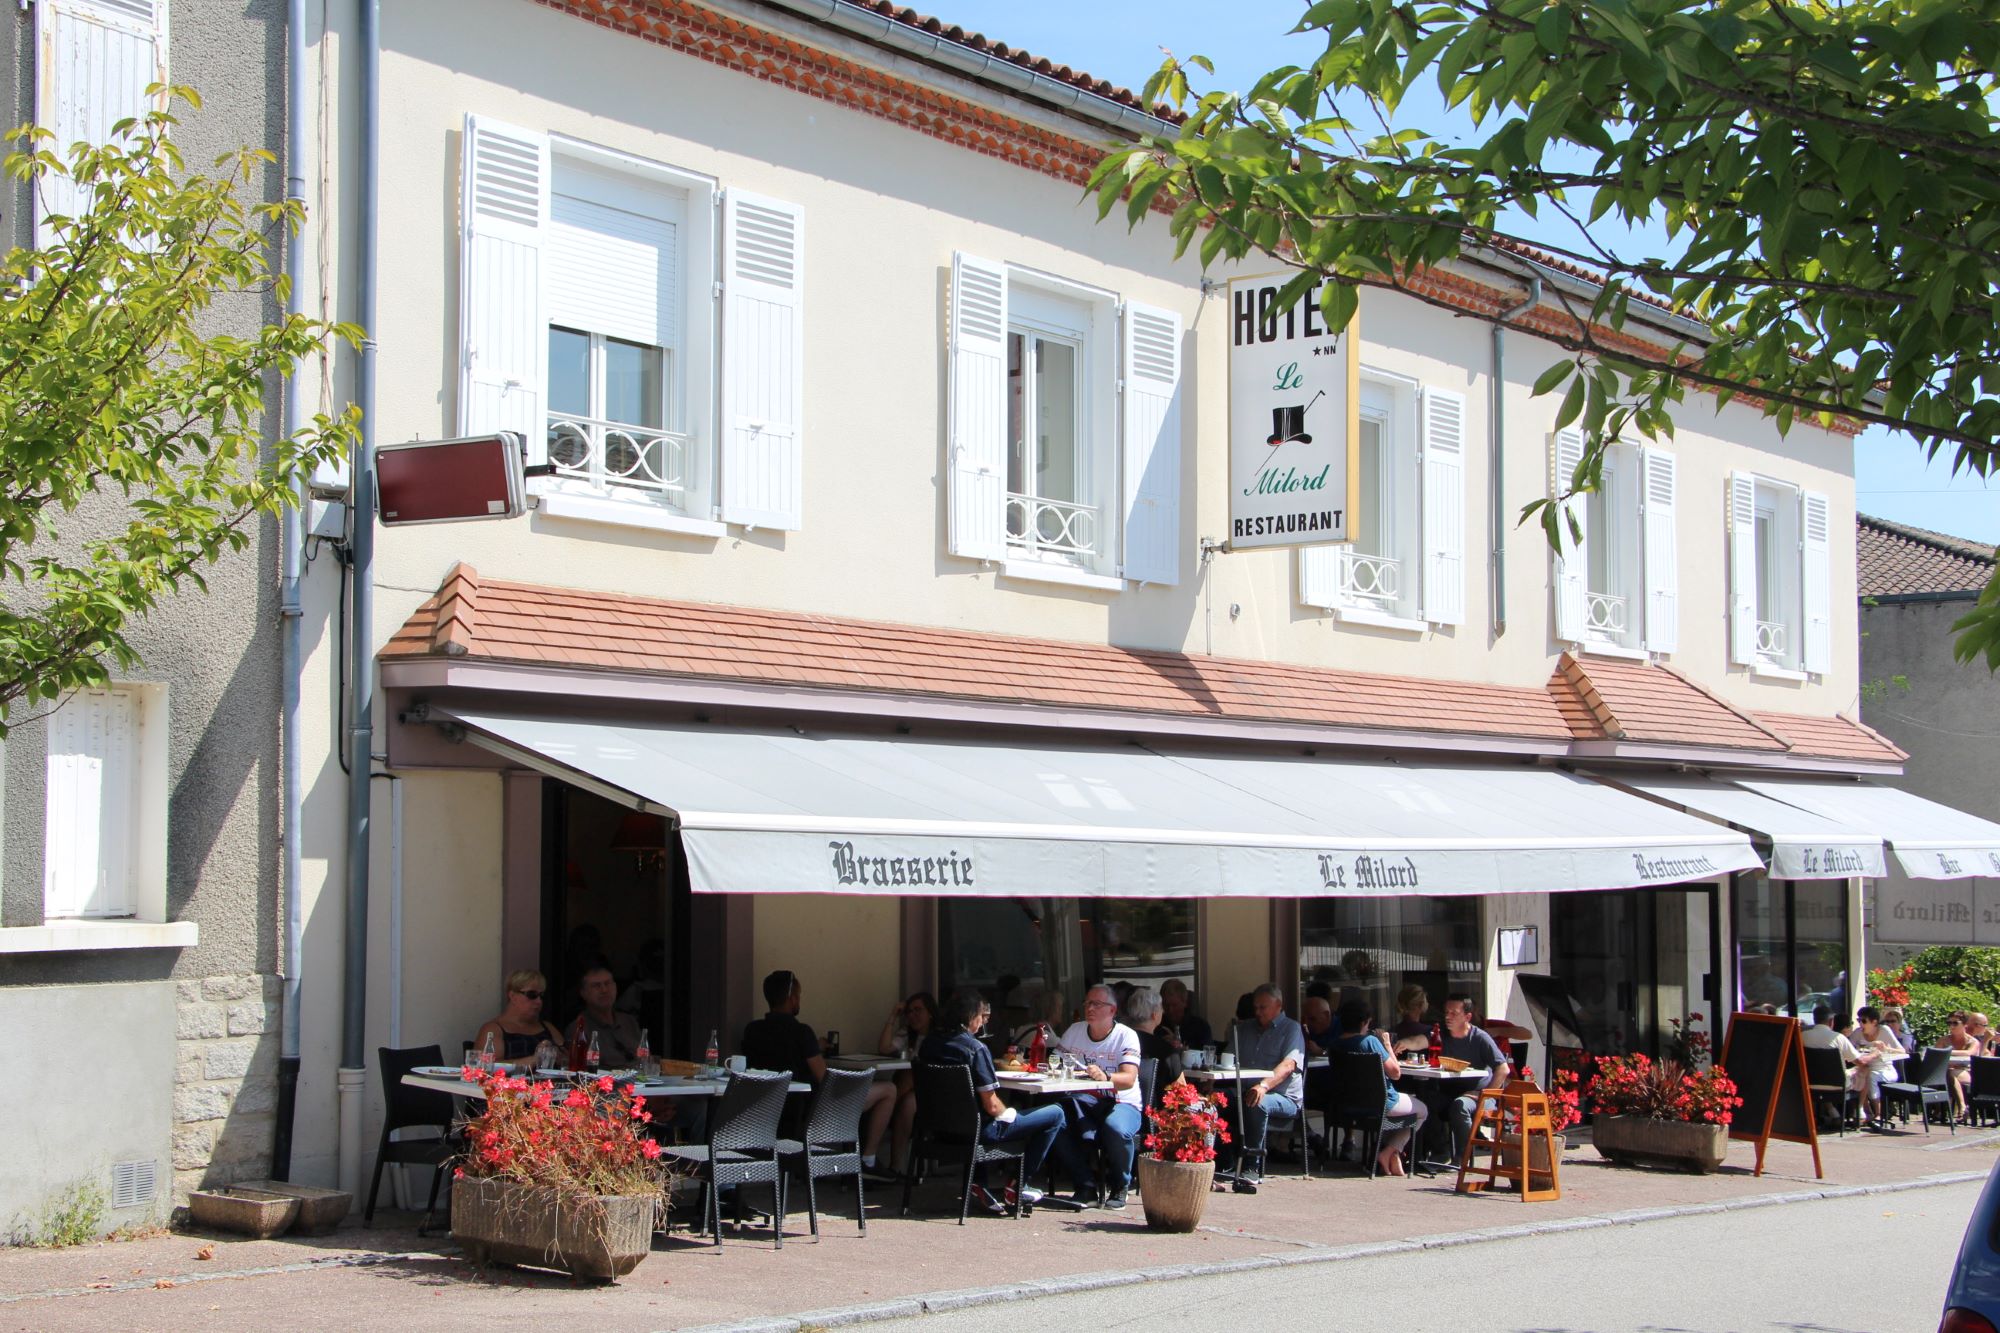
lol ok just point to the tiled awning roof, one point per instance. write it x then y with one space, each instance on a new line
491 621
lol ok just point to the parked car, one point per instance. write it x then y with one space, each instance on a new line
1972 1301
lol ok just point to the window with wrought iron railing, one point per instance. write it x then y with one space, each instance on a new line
607 409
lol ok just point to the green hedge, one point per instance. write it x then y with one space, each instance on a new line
1944 965
1930 1002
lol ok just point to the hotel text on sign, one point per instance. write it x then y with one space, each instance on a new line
1291 420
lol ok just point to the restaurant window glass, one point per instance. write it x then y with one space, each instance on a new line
1791 944
1035 956
1370 948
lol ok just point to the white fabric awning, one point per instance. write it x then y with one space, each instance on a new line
788 812
1804 845
1931 841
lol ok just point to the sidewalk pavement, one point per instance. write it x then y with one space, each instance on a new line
388 1277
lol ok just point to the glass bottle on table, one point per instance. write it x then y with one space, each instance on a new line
591 1055
486 1054
713 1055
642 1054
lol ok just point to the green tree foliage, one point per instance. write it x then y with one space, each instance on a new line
1825 175
133 451
1975 969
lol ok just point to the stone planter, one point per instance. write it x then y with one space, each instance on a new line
601 1237
1630 1139
1174 1194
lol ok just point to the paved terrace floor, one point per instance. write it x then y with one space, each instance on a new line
387 1277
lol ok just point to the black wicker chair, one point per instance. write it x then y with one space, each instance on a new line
832 1143
1359 1102
405 1107
1827 1075
742 1147
1983 1097
1924 1088
947 1130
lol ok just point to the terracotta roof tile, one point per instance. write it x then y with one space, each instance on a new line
1894 560
1833 738
1603 698
499 621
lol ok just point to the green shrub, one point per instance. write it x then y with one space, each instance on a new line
1946 965
74 1216
1930 1002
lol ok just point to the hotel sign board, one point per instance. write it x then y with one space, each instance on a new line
1294 446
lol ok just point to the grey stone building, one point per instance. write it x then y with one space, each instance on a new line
147 996
1914 584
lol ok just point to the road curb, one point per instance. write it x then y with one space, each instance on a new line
937 1302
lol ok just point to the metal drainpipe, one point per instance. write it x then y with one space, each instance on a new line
1496 464
291 612
361 619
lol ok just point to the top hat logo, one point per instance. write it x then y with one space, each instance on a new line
1288 424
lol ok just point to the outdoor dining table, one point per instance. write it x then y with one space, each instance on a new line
874 1064
1032 1084
1437 1088
452 1083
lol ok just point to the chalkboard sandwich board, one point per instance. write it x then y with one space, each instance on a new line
1766 1056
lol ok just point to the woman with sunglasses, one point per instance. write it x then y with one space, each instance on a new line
520 1031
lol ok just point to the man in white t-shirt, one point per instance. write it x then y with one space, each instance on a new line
1111 1051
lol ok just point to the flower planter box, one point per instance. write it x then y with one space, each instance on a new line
1629 1139
600 1237
1174 1194
320 1210
249 1212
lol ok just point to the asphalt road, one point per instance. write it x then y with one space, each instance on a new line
1871 1264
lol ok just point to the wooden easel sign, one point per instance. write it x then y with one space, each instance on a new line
1766 1055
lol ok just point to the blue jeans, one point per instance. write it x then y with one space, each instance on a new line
1042 1127
1257 1118
1117 1124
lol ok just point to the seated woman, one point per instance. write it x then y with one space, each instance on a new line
1877 1049
1355 1021
1411 1031
520 1030
909 1023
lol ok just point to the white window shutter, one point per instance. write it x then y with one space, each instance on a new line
1444 506
976 440
91 805
1816 583
1661 555
763 361
1319 576
94 61
1742 568
502 321
1152 444
1572 553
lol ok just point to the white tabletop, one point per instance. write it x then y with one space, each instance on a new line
1432 1071
659 1087
1016 1080
881 1064
1222 1075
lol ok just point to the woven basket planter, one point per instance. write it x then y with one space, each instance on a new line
601 1237
1632 1139
1174 1194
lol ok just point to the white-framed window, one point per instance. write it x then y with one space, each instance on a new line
1780 576
1616 575
1405 567
105 797
1063 428
94 60
649 351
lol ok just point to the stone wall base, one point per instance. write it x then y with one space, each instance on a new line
225 1080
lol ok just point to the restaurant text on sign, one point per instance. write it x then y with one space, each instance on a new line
1293 394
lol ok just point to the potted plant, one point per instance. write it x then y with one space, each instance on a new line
1668 1111
559 1177
1178 1168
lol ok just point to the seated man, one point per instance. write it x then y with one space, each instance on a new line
954 1040
617 1033
1475 1046
1274 1042
779 1040
1322 1029
1110 1051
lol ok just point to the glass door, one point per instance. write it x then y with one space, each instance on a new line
1635 960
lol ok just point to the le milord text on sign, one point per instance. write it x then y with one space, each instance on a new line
1290 414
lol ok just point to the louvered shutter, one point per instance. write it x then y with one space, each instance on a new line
91 806
503 327
1319 576
1816 584
763 361
1152 444
1662 573
1444 506
1742 568
94 60
976 441
1572 553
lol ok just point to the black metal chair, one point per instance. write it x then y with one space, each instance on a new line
947 1130
1827 1075
742 1147
1984 1095
1359 1101
832 1143
405 1107
1924 1087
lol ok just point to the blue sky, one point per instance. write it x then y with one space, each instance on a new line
1121 40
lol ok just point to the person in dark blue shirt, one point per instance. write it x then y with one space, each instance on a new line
954 1040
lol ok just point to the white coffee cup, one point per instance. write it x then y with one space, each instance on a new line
1225 1060
736 1064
